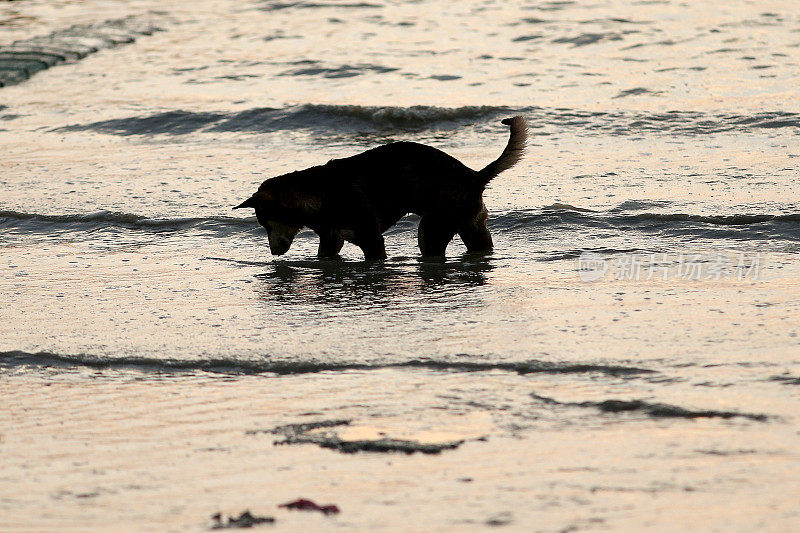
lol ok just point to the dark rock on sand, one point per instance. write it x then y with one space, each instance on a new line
244 520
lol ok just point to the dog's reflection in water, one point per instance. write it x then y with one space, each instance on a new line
342 284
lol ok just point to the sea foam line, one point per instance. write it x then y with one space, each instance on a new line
18 358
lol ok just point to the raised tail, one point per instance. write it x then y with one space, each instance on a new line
514 151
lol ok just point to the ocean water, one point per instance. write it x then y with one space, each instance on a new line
626 358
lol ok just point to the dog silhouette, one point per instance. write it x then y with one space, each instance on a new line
357 198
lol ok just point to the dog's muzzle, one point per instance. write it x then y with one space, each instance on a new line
280 248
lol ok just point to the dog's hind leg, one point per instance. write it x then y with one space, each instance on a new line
330 244
434 234
475 234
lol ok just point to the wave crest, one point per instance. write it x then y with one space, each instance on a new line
736 226
331 119
38 223
306 117
414 116
562 217
236 366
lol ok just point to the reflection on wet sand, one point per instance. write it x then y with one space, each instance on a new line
343 284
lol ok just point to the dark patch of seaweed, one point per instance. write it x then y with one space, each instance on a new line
300 434
655 410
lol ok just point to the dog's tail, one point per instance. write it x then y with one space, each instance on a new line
514 151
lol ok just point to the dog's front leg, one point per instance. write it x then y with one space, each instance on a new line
372 246
434 234
330 244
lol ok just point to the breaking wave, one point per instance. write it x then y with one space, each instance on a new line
522 217
307 117
349 119
38 223
735 227
557 217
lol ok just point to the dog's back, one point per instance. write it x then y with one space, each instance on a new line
403 176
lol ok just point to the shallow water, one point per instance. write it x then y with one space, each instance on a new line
627 358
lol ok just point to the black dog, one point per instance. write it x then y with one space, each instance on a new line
357 198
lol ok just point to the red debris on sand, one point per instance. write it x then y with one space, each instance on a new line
307 505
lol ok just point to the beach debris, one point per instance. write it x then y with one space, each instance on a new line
303 504
244 520
296 429
319 433
333 442
654 410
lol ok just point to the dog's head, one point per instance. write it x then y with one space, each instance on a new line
280 233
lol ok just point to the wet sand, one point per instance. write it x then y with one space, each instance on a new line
128 452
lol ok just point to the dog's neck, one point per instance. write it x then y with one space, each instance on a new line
294 196
307 205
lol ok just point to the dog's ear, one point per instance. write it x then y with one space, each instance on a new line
258 198
250 202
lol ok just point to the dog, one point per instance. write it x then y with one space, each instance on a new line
357 198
